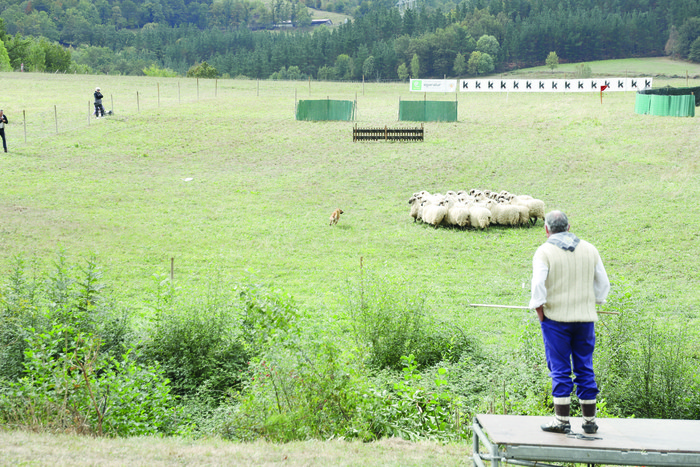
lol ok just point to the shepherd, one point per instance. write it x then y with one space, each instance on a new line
568 280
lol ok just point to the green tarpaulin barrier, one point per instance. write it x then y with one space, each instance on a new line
326 110
428 111
669 91
642 104
665 105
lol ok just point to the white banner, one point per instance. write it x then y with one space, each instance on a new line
552 85
434 85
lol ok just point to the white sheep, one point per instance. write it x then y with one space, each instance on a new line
457 214
535 206
479 216
434 213
503 214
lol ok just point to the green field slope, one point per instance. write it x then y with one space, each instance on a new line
219 178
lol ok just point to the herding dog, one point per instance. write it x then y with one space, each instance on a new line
335 217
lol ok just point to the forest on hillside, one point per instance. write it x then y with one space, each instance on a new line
434 39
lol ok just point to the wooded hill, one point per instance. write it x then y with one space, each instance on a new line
434 40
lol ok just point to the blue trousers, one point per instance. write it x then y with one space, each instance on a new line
567 346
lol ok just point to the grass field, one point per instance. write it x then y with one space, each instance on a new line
263 185
662 67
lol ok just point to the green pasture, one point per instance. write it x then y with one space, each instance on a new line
662 67
263 186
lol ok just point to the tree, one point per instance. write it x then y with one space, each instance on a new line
4 58
672 43
552 60
343 66
694 54
485 64
488 45
402 72
473 63
326 73
202 70
368 67
294 73
415 66
460 65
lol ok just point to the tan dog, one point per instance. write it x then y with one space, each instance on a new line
335 217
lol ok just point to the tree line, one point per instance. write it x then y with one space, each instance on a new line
434 40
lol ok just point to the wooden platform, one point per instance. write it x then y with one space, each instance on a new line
519 440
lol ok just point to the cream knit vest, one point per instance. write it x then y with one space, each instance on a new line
570 295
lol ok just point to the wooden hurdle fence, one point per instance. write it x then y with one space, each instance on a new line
387 134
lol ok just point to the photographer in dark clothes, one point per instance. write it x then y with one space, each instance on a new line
3 122
99 109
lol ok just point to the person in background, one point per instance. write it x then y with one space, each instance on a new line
568 280
99 109
3 122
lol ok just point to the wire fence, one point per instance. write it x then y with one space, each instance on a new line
32 124
71 111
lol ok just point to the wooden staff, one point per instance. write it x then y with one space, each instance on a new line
527 308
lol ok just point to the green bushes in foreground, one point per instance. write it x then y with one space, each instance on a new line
243 362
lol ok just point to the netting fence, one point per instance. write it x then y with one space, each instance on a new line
428 111
325 109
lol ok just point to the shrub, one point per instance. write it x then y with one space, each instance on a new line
388 318
583 71
68 384
67 295
305 389
196 339
202 70
411 409
646 367
156 71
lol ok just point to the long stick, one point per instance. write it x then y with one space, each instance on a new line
527 308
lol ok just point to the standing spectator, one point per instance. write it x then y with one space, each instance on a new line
3 122
99 109
568 280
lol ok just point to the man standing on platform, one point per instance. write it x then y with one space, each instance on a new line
568 280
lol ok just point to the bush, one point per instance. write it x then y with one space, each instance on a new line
302 390
647 367
68 384
386 317
583 71
156 71
411 409
202 70
67 295
196 339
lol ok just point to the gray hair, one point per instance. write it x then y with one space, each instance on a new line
556 222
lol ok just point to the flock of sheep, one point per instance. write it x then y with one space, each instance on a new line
475 208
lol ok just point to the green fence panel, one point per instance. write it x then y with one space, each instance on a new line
642 104
428 111
326 109
690 110
682 106
669 91
660 105
665 105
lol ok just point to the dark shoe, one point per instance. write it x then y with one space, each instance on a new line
556 427
590 427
